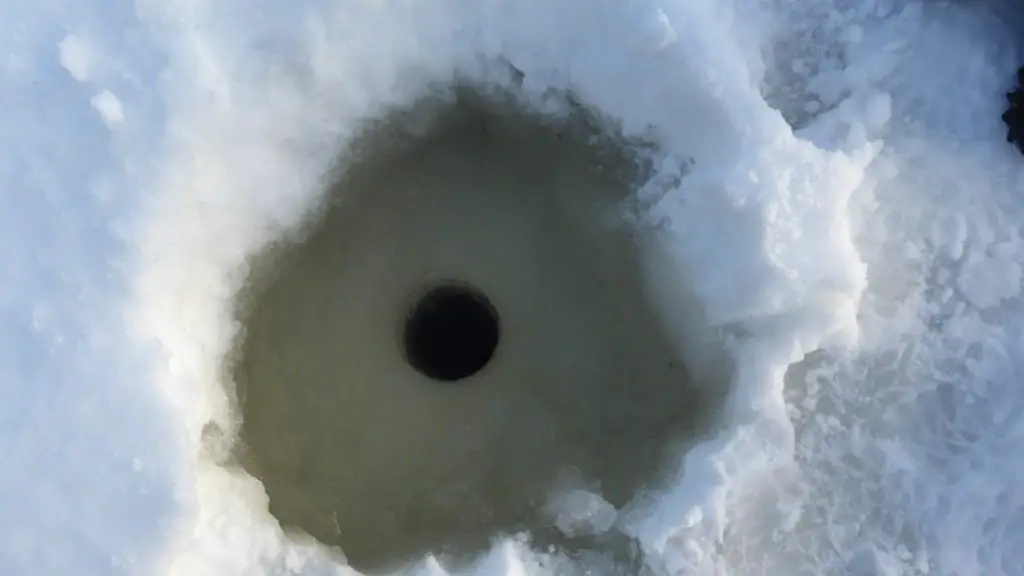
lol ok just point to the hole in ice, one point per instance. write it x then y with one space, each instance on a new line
451 333
357 449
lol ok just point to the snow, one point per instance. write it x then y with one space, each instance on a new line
76 57
847 236
109 107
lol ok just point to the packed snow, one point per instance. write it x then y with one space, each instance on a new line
848 222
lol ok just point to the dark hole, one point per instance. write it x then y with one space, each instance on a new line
1014 115
451 333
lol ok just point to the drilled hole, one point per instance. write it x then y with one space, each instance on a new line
451 333
351 328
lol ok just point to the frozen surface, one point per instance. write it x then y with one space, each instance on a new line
850 226
582 512
87 448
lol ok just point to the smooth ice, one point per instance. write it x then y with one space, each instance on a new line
836 214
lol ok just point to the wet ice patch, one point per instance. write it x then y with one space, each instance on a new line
490 209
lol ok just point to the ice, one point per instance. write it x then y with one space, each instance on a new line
579 512
847 239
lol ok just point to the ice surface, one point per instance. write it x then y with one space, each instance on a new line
582 512
849 228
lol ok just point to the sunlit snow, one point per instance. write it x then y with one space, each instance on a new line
849 221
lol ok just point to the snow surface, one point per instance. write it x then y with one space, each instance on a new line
850 227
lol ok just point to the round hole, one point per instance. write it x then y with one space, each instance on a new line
451 333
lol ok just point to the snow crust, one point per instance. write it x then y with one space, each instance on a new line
833 192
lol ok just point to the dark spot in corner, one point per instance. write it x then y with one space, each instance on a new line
1014 114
